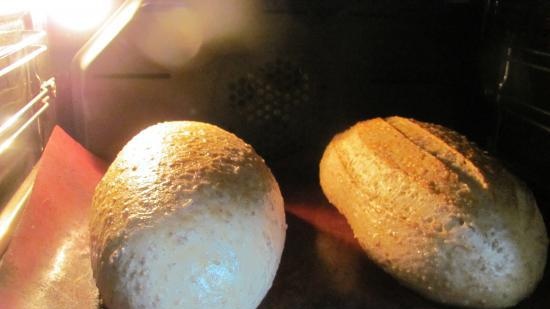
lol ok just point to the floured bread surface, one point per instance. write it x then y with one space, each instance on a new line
187 216
436 212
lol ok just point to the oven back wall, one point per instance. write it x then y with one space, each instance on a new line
312 69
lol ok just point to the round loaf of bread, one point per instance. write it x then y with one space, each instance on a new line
187 216
436 213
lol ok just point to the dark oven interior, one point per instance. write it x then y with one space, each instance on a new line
316 67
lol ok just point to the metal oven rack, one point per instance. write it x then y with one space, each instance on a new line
27 93
518 35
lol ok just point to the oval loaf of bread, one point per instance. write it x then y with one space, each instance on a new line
436 213
187 216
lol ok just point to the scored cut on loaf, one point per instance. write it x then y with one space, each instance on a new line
187 216
436 212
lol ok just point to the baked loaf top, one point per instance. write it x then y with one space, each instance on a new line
436 212
187 216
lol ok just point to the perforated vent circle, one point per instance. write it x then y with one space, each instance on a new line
273 104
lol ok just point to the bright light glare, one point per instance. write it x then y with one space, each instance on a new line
10 7
112 29
77 15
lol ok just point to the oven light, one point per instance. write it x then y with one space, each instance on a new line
78 15
75 15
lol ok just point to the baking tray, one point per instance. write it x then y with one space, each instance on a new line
47 263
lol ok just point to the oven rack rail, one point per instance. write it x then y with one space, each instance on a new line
16 126
23 53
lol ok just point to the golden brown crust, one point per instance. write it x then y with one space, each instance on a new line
178 178
436 212
168 164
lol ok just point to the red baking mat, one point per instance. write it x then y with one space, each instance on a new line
47 263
